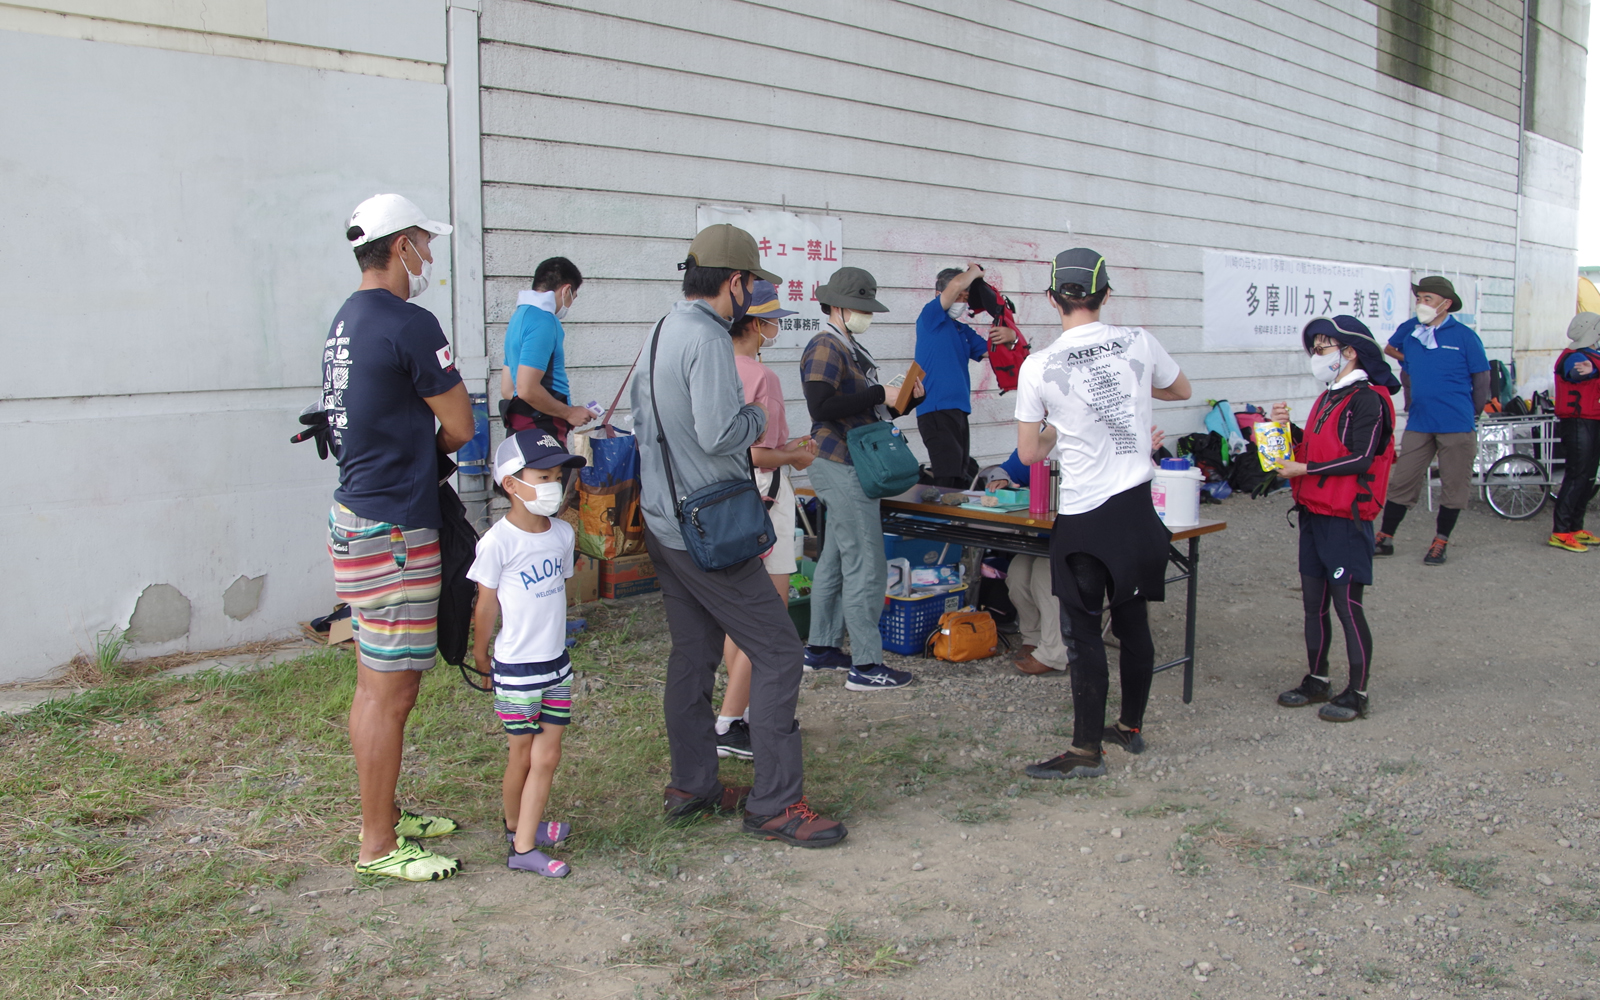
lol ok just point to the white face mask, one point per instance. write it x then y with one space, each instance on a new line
1325 367
561 312
857 322
546 497
762 327
957 311
1426 313
418 282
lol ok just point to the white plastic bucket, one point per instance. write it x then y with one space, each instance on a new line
1176 495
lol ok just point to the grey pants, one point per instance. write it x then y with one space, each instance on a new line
847 588
701 609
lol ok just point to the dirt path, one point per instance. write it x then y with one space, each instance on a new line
1443 846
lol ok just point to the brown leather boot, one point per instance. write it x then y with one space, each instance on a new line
1033 668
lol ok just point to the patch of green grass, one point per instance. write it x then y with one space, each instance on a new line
982 812
1577 909
110 646
1399 767
1474 973
1376 974
1156 810
1475 874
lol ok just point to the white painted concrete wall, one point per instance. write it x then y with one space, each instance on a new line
996 129
174 254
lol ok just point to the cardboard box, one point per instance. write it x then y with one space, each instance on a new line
627 576
584 584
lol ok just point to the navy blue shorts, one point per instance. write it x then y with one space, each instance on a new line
1335 549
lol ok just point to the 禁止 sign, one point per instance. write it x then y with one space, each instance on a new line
803 250
1255 301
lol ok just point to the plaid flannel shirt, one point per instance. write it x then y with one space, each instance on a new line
827 359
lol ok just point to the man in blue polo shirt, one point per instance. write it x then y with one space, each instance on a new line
1449 387
534 379
944 345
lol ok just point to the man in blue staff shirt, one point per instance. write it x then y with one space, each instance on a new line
1449 387
944 345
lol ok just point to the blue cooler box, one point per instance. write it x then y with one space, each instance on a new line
907 622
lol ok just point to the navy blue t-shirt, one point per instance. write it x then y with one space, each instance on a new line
382 357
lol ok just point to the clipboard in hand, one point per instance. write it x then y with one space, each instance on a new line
906 383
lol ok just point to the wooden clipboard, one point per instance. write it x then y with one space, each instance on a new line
903 399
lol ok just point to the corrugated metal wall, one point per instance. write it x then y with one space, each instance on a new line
995 130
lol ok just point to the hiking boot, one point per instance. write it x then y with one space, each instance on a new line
1348 707
1435 556
799 825
1312 690
412 864
1128 739
1586 538
736 741
1075 763
1569 541
1383 545
826 658
1026 650
876 678
681 805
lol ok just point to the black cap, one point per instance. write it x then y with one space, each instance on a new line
1080 267
852 288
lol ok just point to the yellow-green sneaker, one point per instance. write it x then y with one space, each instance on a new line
411 863
415 826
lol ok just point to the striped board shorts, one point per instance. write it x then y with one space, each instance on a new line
528 694
390 576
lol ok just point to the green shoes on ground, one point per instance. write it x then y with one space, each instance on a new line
414 826
411 863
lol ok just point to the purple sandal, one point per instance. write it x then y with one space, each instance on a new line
537 862
548 835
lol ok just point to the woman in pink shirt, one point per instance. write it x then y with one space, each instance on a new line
770 454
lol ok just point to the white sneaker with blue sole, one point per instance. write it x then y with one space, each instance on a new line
876 678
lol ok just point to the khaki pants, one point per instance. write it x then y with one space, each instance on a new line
1038 612
1417 451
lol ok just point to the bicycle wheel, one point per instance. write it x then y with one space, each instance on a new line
1516 487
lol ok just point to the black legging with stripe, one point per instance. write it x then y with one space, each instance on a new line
1345 599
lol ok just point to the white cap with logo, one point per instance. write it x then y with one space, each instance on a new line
386 214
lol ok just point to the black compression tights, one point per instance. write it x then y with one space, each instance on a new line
1130 623
1346 600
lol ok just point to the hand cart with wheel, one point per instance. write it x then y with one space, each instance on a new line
1518 465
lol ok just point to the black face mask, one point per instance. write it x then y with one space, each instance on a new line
740 308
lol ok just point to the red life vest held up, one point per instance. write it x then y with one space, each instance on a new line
1576 399
1359 497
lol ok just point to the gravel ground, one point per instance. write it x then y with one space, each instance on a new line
1442 846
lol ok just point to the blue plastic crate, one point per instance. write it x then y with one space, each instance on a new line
907 622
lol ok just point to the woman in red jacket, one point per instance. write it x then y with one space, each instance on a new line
1577 399
1340 473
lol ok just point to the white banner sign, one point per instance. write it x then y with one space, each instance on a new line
803 250
1253 301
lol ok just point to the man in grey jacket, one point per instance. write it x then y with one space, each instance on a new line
709 429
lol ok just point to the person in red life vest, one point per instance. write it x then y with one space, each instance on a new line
1577 399
1340 473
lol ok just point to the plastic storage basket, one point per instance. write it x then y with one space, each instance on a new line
907 622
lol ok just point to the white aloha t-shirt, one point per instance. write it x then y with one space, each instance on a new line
1093 386
528 573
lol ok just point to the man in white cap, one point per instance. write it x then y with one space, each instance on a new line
387 377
